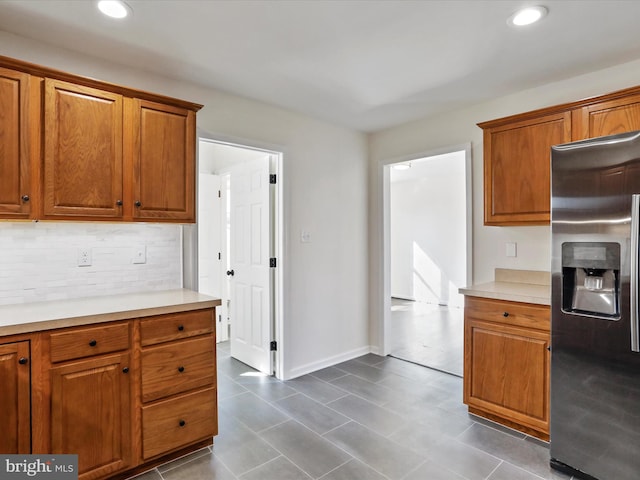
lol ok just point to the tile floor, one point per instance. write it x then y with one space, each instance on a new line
427 334
372 418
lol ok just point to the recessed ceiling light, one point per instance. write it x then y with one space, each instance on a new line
114 8
527 16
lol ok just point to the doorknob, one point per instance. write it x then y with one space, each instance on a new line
231 273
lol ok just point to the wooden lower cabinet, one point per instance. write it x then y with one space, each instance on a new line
15 401
124 396
506 363
91 414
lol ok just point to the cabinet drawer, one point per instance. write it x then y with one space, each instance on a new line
508 313
177 367
175 423
176 326
85 342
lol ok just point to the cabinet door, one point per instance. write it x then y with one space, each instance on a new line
163 162
507 372
15 172
15 404
82 151
517 159
91 414
607 118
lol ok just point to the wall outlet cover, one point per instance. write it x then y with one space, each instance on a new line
140 254
511 250
84 257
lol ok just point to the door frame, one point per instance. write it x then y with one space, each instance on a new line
384 187
277 247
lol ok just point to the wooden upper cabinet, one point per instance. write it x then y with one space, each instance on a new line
163 162
82 151
15 403
16 101
607 118
517 168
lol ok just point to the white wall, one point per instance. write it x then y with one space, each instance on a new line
459 127
428 230
325 192
39 261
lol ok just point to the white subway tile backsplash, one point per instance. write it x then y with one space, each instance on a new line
39 260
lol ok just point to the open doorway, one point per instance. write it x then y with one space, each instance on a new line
238 233
428 244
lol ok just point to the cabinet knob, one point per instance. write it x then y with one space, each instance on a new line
125 370
93 343
181 369
505 314
23 360
180 328
138 204
25 198
182 423
119 203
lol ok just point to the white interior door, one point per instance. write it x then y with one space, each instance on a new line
250 313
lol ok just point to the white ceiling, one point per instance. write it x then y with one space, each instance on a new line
362 64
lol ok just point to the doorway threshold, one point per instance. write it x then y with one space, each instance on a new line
425 366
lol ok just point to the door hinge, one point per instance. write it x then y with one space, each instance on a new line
272 178
273 346
272 262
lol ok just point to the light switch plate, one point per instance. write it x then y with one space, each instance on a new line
511 250
140 254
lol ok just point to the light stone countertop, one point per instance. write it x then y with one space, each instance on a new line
515 286
38 316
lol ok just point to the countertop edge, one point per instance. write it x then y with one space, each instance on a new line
513 292
146 308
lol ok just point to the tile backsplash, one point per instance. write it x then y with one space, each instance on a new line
39 260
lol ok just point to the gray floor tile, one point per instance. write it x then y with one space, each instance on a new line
463 459
278 469
362 370
317 389
354 470
311 414
228 388
430 470
251 410
373 392
529 456
372 416
506 471
382 454
239 448
270 391
306 449
329 373
370 359
182 460
206 467
431 430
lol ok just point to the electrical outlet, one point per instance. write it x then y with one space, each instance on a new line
140 254
84 257
305 236
511 250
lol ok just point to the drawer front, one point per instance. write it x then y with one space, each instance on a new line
508 313
176 326
85 342
175 423
177 367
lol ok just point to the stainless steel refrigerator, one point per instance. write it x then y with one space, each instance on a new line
595 359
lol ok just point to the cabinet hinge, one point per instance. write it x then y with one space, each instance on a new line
274 346
272 179
272 262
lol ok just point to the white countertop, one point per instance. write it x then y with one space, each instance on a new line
38 316
511 291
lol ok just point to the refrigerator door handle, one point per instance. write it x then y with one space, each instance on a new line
635 218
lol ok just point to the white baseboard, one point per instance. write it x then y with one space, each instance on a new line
327 362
